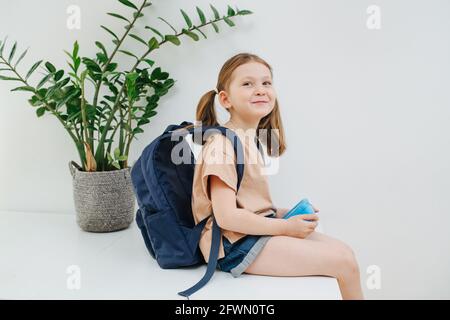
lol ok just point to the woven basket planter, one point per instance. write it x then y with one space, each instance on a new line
104 200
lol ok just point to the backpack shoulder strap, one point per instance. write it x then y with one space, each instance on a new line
212 263
216 234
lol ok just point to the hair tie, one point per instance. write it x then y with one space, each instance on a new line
215 90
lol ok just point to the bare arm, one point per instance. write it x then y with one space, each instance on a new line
229 217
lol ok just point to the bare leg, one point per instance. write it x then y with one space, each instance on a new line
354 283
288 256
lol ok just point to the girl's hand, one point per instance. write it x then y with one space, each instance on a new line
280 213
299 228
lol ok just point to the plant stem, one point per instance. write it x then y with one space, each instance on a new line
83 112
98 84
130 133
121 142
127 150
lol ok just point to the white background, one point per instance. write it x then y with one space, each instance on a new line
366 114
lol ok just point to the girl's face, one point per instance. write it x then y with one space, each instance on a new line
251 94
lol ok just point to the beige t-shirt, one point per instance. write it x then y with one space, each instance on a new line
218 158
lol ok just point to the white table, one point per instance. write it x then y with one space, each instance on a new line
37 251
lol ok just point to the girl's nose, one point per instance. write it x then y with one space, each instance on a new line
260 90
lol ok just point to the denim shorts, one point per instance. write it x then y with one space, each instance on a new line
240 254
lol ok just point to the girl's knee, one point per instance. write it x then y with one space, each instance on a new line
348 265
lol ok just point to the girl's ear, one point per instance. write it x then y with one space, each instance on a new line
223 99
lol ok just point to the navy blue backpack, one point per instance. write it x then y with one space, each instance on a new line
164 189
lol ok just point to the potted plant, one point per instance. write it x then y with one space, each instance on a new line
103 124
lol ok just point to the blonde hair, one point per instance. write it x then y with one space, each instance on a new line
206 113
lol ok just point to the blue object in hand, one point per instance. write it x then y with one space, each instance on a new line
303 207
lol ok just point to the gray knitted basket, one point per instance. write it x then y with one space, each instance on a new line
104 200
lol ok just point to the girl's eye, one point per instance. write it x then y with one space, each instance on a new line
266 82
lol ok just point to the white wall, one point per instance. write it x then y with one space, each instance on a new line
366 114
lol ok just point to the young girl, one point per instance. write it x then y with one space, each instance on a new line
254 238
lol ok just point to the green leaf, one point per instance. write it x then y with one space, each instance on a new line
110 159
51 68
137 16
228 21
62 83
204 35
101 57
128 4
42 92
67 98
110 32
20 58
13 50
113 89
152 100
74 115
150 62
216 28
168 24
155 31
153 44
44 80
116 153
116 165
130 82
186 18
151 114
77 63
169 83
230 11
244 12
164 76
91 65
173 39
118 16
216 13
51 91
2 46
75 49
138 39
157 74
59 75
142 122
101 47
34 101
201 15
131 77
9 78
129 54
40 111
111 67
24 88
137 130
191 34
122 158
